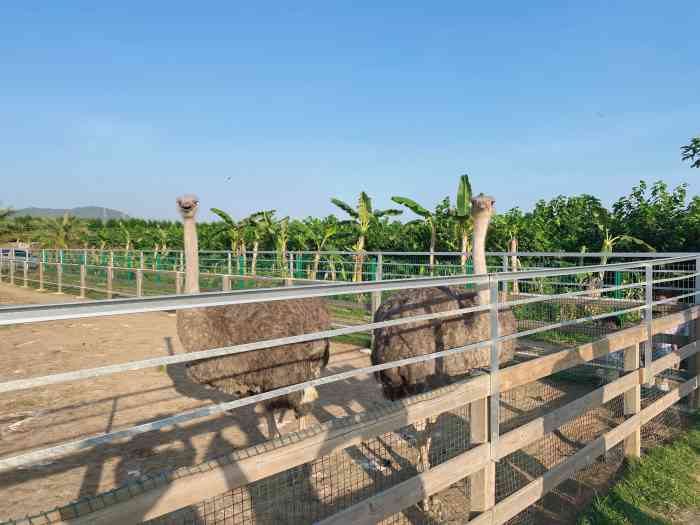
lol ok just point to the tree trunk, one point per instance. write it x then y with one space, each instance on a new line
433 237
514 262
359 259
465 255
317 261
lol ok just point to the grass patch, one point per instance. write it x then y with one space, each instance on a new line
357 339
558 337
659 485
358 313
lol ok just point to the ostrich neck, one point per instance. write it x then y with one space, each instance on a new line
481 224
191 256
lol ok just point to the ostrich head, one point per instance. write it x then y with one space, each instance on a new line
188 205
483 207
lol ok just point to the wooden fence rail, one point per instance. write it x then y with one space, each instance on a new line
191 485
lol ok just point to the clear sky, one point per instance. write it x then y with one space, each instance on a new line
284 105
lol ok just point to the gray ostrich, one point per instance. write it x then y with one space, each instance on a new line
258 371
426 337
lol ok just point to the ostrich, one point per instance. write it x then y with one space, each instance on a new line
426 337
258 371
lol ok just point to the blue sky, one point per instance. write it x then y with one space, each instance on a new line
284 105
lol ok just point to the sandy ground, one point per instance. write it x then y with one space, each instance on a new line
43 417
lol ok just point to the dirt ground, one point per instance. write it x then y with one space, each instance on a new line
42 417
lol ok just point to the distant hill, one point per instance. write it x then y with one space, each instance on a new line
82 212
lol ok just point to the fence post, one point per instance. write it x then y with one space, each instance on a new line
110 278
226 283
290 280
41 276
633 402
648 316
12 270
228 263
505 269
25 271
182 264
139 282
59 277
83 275
484 418
141 260
2 264
376 296
178 283
694 361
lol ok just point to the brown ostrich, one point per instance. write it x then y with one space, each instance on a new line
258 371
426 337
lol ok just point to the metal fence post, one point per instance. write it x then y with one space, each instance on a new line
377 296
139 280
648 317
226 283
12 270
41 276
228 263
290 279
110 279
83 278
25 271
59 277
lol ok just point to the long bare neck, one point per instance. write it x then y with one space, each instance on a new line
481 225
191 255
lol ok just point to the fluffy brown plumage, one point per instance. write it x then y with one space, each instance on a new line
258 371
427 337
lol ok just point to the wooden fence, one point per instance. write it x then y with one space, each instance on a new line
186 486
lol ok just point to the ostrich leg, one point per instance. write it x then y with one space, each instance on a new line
272 428
424 439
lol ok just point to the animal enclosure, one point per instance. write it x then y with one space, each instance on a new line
510 444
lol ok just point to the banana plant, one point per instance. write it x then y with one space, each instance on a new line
62 232
429 218
362 217
258 229
320 234
610 241
462 215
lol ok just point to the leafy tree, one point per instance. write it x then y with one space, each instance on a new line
320 234
691 152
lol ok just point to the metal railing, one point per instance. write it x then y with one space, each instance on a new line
537 287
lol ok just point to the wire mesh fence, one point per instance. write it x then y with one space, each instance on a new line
553 312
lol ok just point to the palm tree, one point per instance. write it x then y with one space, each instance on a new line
319 233
363 217
462 215
428 217
64 231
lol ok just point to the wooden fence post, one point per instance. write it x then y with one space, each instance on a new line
139 279
141 260
290 279
25 272
482 483
12 270
226 283
633 402
110 279
83 278
648 320
59 277
41 276
228 263
694 361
